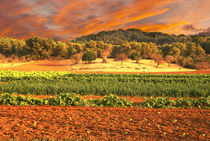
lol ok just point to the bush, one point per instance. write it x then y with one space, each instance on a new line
72 99
9 99
113 101
89 56
159 102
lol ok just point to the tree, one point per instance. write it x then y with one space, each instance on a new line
117 37
38 48
90 45
195 50
165 49
74 48
136 56
158 58
89 56
104 50
77 58
9 46
187 62
122 57
170 59
104 55
61 49
177 49
206 46
148 49
199 39
136 46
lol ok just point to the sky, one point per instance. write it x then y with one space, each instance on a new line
68 19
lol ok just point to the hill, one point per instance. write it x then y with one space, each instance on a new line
119 36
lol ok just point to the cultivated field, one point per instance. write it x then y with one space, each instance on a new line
60 101
93 123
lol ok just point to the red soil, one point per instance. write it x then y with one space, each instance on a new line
38 122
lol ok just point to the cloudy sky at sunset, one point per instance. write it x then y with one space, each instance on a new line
67 19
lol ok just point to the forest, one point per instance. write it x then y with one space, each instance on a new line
185 50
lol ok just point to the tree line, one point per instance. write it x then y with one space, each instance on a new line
190 53
117 37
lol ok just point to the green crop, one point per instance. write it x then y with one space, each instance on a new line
53 83
111 101
67 99
72 99
165 102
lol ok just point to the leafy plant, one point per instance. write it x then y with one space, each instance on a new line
66 99
72 99
160 102
113 101
89 56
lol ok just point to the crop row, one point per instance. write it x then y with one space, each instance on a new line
174 89
71 99
6 76
52 83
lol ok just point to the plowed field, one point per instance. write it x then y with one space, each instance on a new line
38 122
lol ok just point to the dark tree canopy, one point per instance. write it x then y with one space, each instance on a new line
89 56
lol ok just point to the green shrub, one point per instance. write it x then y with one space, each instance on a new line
159 102
7 99
113 101
71 99
89 56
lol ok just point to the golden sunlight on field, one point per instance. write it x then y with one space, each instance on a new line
95 66
127 66
10 64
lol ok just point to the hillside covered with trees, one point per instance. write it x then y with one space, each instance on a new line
188 51
120 36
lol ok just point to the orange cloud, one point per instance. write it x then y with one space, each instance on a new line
161 27
67 19
131 12
93 26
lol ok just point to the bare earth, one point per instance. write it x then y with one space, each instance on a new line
101 124
130 66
